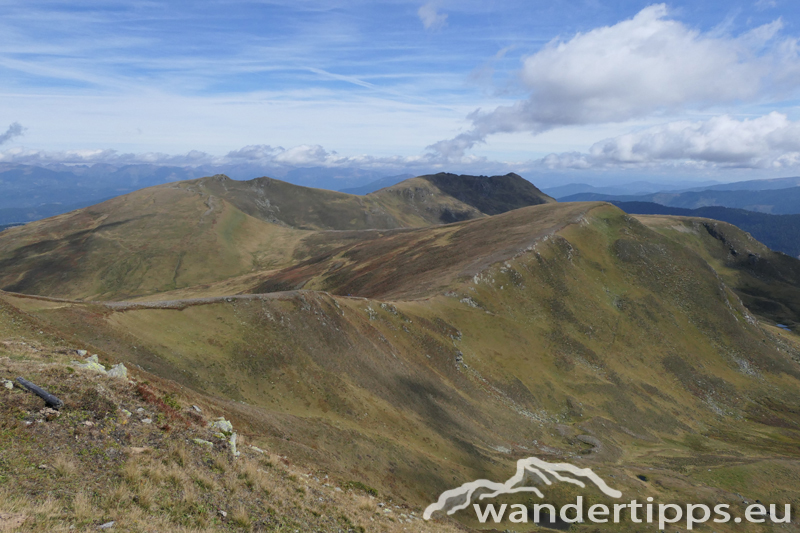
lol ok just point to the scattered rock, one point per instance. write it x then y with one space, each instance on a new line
255 449
50 413
197 409
42 467
126 413
147 421
88 423
107 525
90 363
223 514
7 383
140 410
118 371
82 353
232 442
222 426
202 442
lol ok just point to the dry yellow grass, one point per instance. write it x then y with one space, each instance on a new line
82 507
63 466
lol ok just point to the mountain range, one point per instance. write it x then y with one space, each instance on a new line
438 330
773 201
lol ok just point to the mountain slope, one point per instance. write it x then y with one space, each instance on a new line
423 262
767 282
779 232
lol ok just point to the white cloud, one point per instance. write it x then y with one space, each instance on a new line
430 17
263 156
766 4
768 142
648 65
14 130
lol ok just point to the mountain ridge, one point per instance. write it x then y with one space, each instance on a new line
210 229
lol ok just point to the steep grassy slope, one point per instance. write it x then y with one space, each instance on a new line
600 328
98 461
768 282
205 231
779 232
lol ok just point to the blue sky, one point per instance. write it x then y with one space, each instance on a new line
585 89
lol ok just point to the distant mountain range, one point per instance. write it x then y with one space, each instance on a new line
779 232
31 192
377 185
638 188
774 201
631 188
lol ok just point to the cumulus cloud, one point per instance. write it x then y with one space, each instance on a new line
430 17
14 130
640 67
768 142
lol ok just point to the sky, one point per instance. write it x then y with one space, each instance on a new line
586 90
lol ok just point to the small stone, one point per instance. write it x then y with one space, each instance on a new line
107 525
50 413
223 514
147 421
222 425
126 413
90 363
197 409
232 442
140 410
337 489
8 384
82 353
88 423
118 371
42 467
202 442
255 449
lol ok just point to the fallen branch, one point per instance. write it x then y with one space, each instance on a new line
49 399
